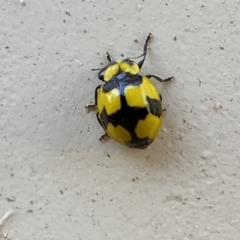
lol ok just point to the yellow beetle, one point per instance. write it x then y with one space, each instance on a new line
129 106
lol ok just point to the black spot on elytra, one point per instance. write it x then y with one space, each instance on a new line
155 106
104 118
139 143
121 81
126 116
109 86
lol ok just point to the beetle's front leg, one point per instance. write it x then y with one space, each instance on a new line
91 106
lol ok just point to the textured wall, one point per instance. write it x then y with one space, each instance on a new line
60 181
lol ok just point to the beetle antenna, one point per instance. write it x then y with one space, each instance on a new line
149 36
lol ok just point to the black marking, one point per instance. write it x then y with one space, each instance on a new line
104 118
121 81
155 106
110 85
128 61
139 143
128 116
100 121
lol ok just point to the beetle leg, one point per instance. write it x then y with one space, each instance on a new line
159 79
90 106
145 50
102 137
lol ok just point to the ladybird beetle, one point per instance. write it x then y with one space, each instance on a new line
129 106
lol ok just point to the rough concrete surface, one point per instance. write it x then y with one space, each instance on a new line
57 181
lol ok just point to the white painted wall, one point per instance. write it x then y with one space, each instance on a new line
60 181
